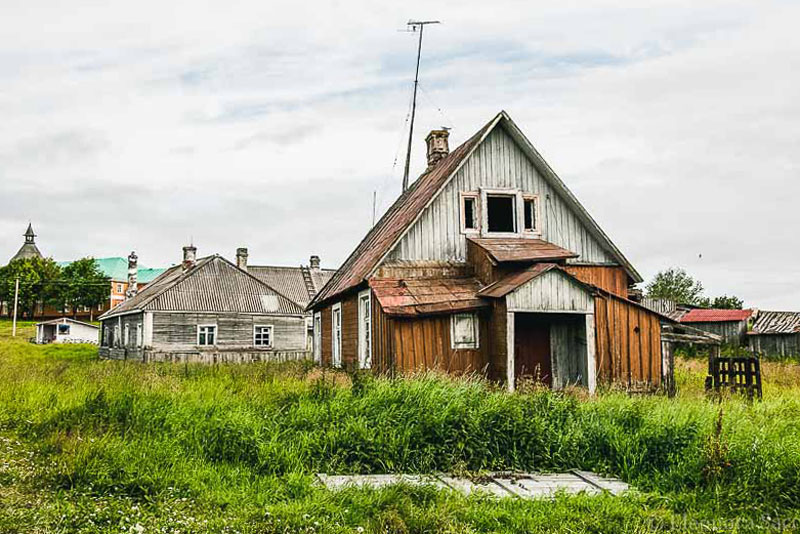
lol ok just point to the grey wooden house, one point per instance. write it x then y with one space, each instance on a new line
776 333
205 310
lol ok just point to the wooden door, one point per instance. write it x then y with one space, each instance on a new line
532 348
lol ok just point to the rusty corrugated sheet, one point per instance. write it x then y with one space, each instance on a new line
714 316
385 233
520 249
426 296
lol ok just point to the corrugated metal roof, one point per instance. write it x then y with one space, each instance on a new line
521 249
383 236
289 281
715 316
116 268
214 285
426 296
776 322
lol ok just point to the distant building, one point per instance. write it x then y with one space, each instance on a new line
206 310
65 330
775 333
28 249
731 325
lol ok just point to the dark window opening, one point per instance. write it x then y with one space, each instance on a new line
530 214
470 221
500 214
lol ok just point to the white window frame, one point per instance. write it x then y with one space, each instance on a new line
139 335
317 341
336 335
119 289
476 344
517 199
271 329
476 196
365 330
199 327
126 335
537 216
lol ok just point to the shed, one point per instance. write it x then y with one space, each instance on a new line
66 330
731 325
775 333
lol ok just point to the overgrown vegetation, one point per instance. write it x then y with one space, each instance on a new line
99 446
677 285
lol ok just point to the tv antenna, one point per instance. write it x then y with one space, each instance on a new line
414 25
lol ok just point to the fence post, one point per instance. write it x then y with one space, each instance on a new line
16 302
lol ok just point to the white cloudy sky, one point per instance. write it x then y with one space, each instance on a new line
269 124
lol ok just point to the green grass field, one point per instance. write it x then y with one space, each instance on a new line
99 446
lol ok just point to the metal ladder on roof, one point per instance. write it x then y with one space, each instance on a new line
312 291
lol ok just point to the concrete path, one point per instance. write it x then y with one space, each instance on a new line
522 485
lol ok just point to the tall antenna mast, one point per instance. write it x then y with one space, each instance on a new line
415 24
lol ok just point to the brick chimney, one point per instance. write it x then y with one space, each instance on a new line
241 258
438 147
189 257
133 273
314 262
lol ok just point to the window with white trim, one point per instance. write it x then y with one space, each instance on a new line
207 335
464 331
262 336
126 340
318 337
470 220
530 213
139 336
365 329
336 338
501 214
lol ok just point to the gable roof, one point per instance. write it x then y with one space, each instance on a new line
503 249
382 238
213 285
776 322
62 320
700 315
291 281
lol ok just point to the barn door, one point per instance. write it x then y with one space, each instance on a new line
532 358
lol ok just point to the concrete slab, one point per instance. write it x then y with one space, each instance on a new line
337 482
468 486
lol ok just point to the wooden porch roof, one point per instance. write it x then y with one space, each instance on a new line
505 249
427 296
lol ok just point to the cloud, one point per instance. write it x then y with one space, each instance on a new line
270 124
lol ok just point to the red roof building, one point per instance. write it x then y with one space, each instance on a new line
715 316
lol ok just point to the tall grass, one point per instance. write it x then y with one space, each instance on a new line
248 439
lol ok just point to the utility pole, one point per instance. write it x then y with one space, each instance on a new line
414 25
16 301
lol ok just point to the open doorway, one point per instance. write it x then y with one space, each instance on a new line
550 348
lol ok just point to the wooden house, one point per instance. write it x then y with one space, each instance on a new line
205 310
775 333
730 325
65 330
489 264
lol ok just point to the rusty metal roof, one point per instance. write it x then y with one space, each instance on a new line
510 282
426 296
380 239
213 285
290 282
776 322
503 249
700 315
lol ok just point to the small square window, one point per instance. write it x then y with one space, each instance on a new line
262 336
464 331
206 335
501 215
63 330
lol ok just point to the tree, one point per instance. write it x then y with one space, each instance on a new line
38 284
84 284
676 284
726 302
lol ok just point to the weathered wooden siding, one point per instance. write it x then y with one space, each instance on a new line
611 278
497 163
568 351
775 345
732 332
628 344
349 332
498 346
382 336
424 343
552 291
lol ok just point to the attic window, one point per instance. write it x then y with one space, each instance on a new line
469 212
501 214
530 209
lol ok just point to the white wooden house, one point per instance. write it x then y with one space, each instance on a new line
65 330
